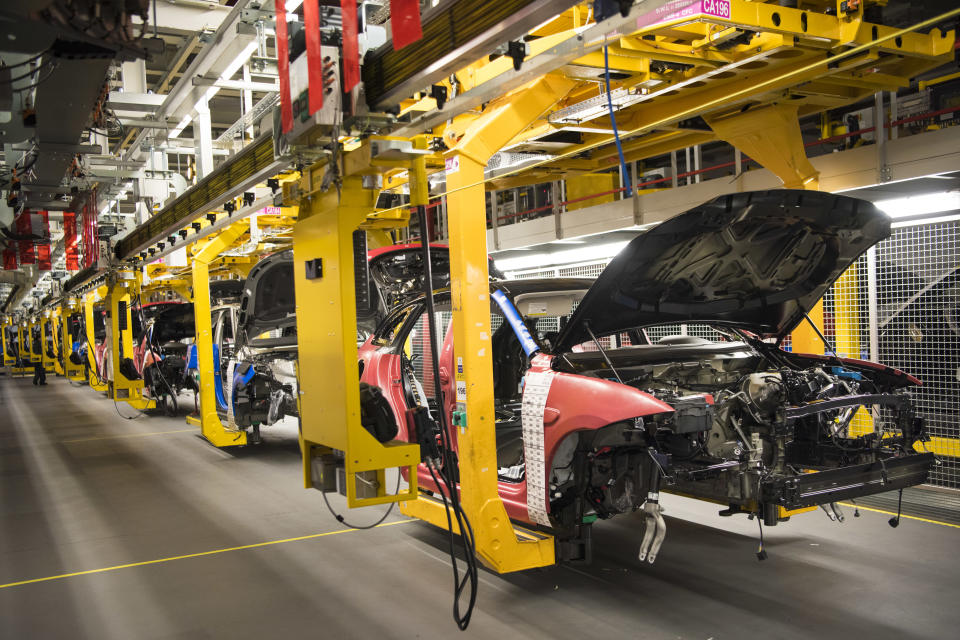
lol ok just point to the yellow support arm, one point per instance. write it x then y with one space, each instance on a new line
48 324
89 300
123 288
8 359
327 337
211 427
498 543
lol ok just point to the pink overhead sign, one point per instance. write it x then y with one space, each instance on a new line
679 9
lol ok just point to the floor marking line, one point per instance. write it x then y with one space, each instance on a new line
130 435
195 555
902 515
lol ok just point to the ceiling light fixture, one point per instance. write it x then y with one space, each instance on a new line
920 204
570 256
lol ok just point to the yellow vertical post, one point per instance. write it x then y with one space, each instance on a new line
122 290
497 542
846 322
71 370
8 360
47 325
94 380
327 338
211 427
804 338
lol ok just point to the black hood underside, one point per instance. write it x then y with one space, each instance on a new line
758 261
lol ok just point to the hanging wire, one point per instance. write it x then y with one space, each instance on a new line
613 121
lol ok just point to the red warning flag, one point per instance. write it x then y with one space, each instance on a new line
311 25
405 22
351 46
283 66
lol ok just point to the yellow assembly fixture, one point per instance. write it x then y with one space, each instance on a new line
211 427
47 324
89 300
329 400
126 384
500 544
73 372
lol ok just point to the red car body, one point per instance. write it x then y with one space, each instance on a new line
619 415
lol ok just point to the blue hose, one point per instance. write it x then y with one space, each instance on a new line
613 121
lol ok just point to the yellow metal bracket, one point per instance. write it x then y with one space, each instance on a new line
327 336
771 136
71 371
46 329
123 287
499 544
8 359
211 427
89 300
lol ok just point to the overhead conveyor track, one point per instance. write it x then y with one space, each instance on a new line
252 165
456 34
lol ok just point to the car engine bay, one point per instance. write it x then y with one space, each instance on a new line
753 428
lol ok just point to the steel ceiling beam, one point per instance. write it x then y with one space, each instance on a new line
578 45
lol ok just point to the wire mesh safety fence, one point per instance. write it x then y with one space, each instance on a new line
899 305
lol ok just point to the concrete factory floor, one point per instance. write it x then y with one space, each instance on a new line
114 528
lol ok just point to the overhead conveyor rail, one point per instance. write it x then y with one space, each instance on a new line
454 35
241 172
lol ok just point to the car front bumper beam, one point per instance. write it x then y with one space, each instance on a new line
823 487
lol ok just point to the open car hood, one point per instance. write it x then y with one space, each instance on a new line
173 324
758 261
269 298
174 321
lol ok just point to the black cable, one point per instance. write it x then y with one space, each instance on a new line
761 552
28 60
446 472
29 73
37 83
469 544
342 521
140 414
895 521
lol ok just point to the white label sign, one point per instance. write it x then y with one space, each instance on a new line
452 164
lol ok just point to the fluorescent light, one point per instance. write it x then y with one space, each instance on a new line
921 204
568 242
582 254
934 220
292 5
